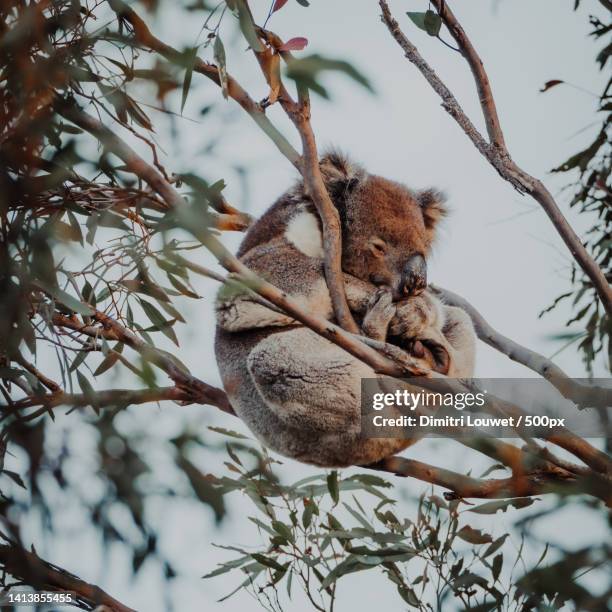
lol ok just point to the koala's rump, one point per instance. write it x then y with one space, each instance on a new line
299 394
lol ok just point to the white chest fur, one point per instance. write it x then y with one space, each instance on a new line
304 233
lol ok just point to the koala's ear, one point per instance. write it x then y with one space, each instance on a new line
433 205
340 174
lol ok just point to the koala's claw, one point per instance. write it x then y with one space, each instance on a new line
434 353
381 310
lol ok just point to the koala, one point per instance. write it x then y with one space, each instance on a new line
297 392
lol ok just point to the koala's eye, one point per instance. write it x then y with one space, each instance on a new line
378 247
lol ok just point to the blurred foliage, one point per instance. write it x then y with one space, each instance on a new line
592 196
80 233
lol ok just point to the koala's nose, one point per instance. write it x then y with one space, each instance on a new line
414 276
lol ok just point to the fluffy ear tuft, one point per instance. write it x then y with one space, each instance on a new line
433 205
340 174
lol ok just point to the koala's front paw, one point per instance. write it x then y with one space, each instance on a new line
381 310
434 354
413 316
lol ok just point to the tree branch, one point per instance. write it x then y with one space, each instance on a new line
585 395
45 380
528 484
495 151
105 398
330 220
485 95
195 390
41 574
349 342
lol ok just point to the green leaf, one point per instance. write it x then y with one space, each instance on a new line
267 561
362 520
233 455
279 575
289 583
220 59
190 55
498 561
283 530
305 72
181 288
433 23
418 18
64 231
429 21
15 477
228 432
581 159
474 536
409 596
544 553
247 26
261 525
146 287
79 359
159 322
85 385
88 295
504 504
495 546
307 514
332 486
350 565
370 479
107 363
65 298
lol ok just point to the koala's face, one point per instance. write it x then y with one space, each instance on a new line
388 233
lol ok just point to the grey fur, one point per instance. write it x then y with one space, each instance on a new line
296 391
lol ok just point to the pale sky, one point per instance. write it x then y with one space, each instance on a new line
497 249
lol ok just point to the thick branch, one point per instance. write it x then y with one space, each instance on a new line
330 220
31 569
585 395
527 484
496 152
562 437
